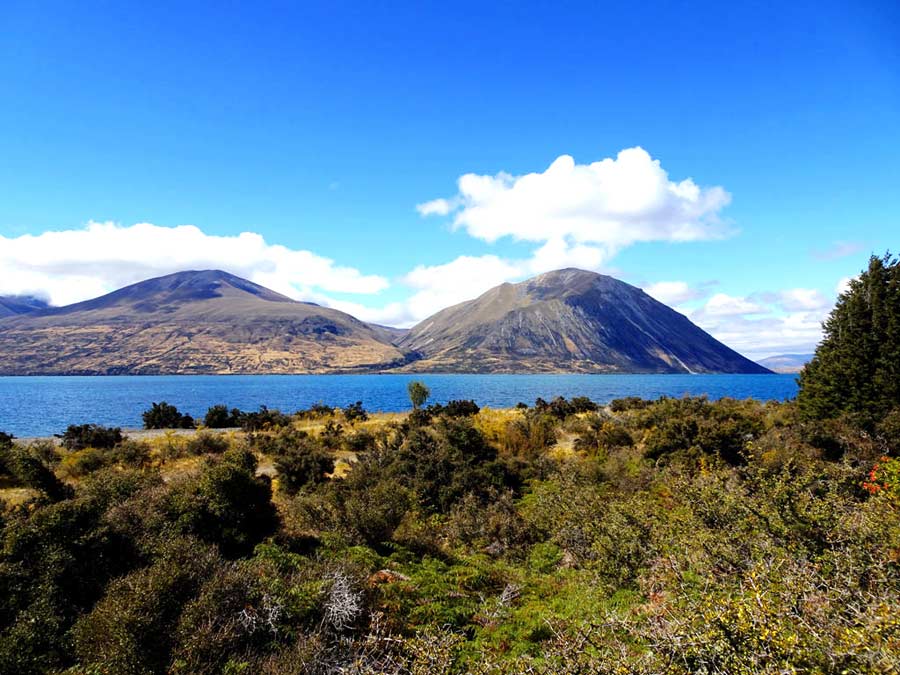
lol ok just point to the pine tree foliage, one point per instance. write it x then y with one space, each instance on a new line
856 368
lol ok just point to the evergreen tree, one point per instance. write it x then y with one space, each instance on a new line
856 367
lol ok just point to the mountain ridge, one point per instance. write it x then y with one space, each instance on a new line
568 320
211 321
205 321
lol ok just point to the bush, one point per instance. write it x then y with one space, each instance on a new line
264 420
81 436
619 405
165 416
355 412
359 441
130 631
304 464
889 431
135 454
530 436
332 435
206 443
82 462
220 417
226 504
316 411
29 471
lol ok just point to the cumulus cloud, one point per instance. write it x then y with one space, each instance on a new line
576 215
436 207
843 285
803 299
768 323
674 292
608 204
761 336
71 265
722 304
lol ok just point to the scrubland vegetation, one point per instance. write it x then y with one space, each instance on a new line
675 536
671 536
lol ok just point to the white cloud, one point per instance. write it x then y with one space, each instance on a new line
843 285
761 336
722 304
803 299
464 278
577 215
764 324
673 292
436 207
72 265
610 204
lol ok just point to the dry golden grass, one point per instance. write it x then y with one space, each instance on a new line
13 496
492 422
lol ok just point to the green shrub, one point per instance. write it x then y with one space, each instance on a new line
131 631
81 436
165 416
332 435
29 471
226 504
220 417
360 440
206 443
264 420
302 465
355 412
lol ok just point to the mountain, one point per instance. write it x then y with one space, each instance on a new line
786 363
571 321
13 305
192 322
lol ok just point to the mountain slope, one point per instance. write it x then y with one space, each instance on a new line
568 320
14 305
191 322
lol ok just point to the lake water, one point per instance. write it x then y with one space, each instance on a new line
40 406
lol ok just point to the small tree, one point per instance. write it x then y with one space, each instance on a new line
418 394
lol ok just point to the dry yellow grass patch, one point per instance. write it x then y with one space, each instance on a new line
14 496
492 422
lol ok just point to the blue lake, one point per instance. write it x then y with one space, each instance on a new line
40 406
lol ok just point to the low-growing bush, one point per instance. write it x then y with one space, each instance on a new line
264 420
303 464
166 416
207 443
81 436
355 412
360 440
220 417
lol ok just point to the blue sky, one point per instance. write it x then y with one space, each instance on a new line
321 129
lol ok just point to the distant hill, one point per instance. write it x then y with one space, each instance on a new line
14 305
214 322
572 321
192 322
786 363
